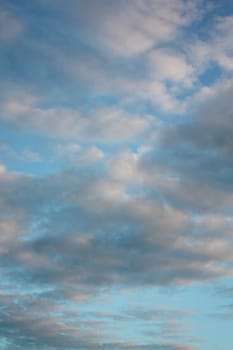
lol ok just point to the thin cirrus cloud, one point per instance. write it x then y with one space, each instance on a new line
116 175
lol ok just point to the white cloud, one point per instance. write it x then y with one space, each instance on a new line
140 25
215 49
105 124
94 154
171 66
2 169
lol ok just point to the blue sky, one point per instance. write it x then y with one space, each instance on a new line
116 191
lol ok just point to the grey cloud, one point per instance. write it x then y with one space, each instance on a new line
81 235
195 155
81 230
224 291
29 321
159 313
224 311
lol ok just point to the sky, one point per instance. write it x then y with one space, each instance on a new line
116 175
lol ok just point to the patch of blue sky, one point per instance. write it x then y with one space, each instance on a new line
211 75
221 8
124 306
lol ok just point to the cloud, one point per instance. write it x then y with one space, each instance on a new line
127 29
207 140
103 50
145 200
34 320
11 26
196 156
172 67
97 229
106 124
24 324
215 49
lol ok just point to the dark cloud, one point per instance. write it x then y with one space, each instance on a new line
80 231
196 155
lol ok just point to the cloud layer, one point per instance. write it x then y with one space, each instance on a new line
115 174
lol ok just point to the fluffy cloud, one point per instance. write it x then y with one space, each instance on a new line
171 67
